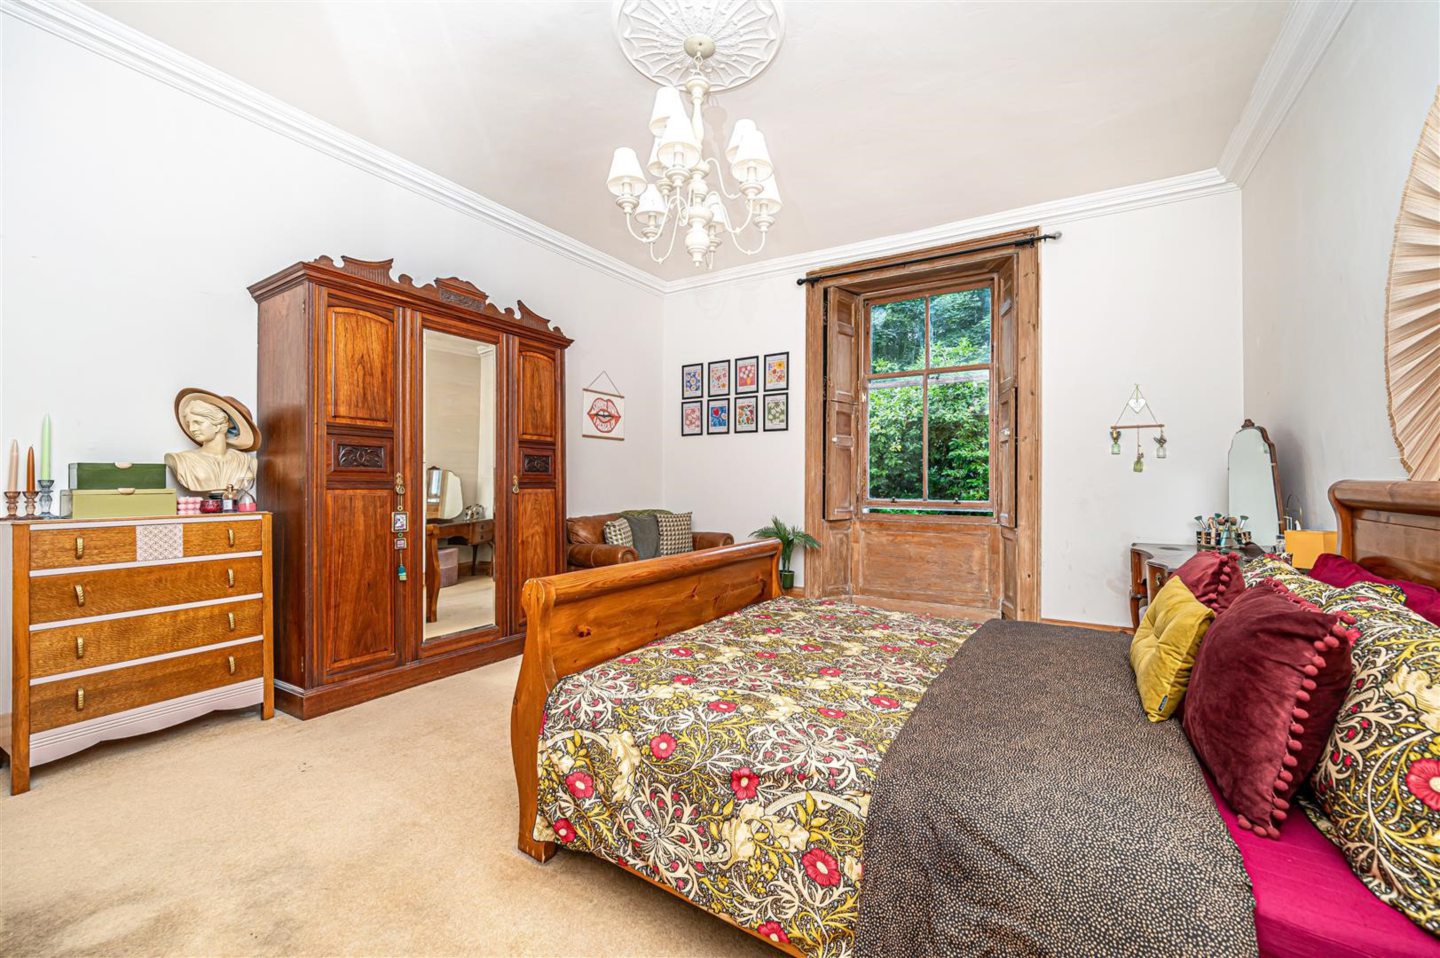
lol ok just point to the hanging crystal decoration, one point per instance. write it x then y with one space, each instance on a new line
1139 408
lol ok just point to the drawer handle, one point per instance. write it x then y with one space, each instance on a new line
79 547
232 664
79 595
79 646
230 617
79 699
230 534
230 577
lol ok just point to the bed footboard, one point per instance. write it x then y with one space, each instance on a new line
580 619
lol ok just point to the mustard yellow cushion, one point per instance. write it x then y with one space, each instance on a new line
1163 651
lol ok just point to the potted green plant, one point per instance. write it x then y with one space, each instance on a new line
788 536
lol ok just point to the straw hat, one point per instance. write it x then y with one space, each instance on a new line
243 434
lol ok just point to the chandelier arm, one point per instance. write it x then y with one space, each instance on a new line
630 225
749 252
720 175
674 233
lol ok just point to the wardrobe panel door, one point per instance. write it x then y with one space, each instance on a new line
537 469
539 409
360 582
362 349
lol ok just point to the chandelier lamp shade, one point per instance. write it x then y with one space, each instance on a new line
684 194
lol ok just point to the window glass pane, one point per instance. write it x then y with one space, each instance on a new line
897 336
960 435
895 438
960 328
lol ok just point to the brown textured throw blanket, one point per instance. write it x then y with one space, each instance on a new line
1029 808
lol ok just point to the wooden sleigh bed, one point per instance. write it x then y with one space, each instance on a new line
596 618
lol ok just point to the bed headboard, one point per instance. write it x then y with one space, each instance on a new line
1390 528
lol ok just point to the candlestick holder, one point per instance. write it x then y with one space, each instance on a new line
44 499
29 503
12 500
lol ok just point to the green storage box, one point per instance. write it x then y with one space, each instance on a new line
117 475
116 504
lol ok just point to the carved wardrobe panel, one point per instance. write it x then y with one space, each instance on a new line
342 400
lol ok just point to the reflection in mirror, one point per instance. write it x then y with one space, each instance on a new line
1255 484
460 567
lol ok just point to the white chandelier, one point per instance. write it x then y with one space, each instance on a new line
682 195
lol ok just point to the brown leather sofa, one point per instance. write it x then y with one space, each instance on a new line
585 546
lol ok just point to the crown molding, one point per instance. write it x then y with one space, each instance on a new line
1187 187
103 35
1306 33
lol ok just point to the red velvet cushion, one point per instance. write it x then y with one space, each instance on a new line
1267 684
1214 578
1339 572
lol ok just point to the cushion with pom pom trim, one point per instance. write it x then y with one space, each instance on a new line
1214 578
1266 686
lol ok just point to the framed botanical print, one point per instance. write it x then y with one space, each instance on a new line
747 413
718 420
692 418
747 375
719 378
777 372
777 412
692 381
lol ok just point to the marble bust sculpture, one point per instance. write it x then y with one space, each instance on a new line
225 432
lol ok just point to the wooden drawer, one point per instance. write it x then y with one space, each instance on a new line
57 703
214 538
54 598
73 647
64 548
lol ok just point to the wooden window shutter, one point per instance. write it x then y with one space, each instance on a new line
1006 459
842 322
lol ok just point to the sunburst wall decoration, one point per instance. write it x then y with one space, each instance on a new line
1412 311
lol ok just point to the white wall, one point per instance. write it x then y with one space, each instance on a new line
735 483
1319 213
1149 296
135 216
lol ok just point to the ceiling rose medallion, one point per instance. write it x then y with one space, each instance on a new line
693 50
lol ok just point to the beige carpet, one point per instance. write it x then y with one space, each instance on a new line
384 829
468 604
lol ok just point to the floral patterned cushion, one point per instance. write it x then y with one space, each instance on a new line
1378 781
733 763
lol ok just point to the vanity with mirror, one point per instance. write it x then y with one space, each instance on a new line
415 465
1252 492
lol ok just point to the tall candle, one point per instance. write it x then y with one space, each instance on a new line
12 475
45 447
30 469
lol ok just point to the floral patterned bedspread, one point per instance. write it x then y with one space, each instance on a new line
733 763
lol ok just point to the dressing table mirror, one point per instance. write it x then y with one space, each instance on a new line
1254 485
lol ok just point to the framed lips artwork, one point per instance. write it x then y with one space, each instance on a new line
604 411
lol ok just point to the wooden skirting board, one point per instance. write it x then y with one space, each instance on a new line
1090 625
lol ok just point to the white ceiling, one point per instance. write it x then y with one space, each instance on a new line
882 117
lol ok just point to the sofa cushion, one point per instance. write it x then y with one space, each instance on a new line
644 534
675 536
617 533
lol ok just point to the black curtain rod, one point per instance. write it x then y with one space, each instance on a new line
1027 241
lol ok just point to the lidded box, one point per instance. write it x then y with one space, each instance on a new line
117 475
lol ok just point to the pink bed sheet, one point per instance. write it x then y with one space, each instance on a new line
1309 904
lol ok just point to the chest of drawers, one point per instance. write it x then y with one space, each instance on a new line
121 627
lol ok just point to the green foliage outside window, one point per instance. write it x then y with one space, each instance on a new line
959 402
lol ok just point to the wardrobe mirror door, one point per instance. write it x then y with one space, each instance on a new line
458 492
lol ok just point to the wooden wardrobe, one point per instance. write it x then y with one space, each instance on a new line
341 396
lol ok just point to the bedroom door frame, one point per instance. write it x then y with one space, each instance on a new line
830 409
